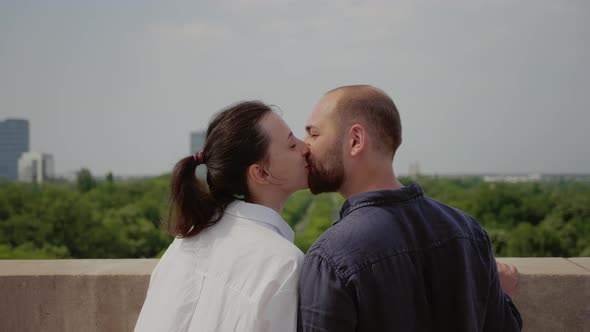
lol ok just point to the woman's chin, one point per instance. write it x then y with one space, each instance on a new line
304 185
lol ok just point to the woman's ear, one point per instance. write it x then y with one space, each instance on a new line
357 139
258 174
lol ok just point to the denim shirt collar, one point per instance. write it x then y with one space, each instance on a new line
378 197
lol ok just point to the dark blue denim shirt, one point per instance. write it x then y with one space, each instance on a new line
400 261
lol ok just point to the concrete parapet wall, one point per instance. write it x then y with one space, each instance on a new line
72 295
106 295
553 293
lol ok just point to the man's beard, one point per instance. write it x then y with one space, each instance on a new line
328 176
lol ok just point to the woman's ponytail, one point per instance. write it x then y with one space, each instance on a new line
234 141
191 206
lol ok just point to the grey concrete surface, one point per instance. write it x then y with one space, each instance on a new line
107 295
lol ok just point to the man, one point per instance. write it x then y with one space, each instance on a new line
396 260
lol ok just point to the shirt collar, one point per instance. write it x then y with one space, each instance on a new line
376 197
261 215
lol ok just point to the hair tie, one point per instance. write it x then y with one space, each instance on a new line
199 158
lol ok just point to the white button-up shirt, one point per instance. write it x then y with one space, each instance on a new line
241 274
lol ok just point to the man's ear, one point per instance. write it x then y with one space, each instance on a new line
258 174
357 139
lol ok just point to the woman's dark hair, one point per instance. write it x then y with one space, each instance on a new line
234 141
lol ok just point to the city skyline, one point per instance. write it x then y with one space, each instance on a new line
196 141
482 86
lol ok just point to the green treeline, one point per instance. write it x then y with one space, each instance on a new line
534 219
87 219
123 219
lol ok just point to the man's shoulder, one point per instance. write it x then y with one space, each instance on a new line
371 231
356 232
457 217
343 243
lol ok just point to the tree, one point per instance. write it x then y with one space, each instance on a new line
85 180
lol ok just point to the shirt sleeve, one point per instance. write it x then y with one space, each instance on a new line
325 304
502 314
277 311
279 314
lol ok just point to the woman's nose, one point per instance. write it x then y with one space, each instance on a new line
304 148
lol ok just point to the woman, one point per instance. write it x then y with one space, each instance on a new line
232 265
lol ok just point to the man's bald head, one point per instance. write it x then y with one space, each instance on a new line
371 107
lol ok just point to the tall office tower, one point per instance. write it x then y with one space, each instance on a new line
14 140
197 141
197 144
35 167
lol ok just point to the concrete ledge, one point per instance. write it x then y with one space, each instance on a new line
72 295
106 295
553 293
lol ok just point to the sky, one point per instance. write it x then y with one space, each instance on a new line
482 86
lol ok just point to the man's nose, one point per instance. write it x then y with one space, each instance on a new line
306 140
304 147
305 150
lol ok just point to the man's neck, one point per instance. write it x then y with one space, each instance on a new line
384 179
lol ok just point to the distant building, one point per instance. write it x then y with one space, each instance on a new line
197 144
513 178
35 167
414 170
14 140
197 141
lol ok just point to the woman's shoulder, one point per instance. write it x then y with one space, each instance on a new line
258 227
268 242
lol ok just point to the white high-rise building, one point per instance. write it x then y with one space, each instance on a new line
35 167
414 170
